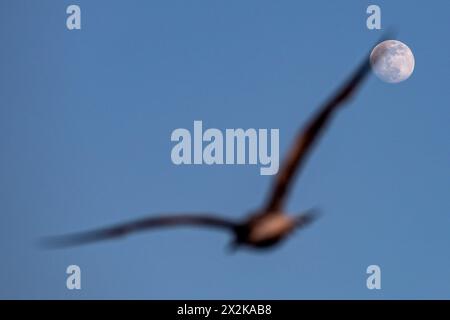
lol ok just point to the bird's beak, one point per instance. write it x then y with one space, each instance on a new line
233 247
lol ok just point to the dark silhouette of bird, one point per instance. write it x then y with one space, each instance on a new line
265 227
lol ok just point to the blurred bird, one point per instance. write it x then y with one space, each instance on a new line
263 228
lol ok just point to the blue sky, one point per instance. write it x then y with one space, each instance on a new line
85 124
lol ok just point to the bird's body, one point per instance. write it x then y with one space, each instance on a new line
261 231
270 224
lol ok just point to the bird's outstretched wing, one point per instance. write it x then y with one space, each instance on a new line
139 225
309 135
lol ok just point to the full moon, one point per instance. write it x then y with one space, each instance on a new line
392 61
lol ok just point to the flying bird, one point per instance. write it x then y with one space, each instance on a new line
270 224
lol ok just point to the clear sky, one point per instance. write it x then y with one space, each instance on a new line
85 124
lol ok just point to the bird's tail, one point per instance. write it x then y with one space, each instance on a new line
307 217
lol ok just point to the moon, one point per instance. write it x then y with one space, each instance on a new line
392 61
